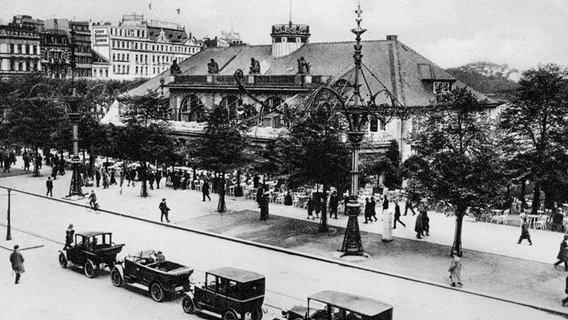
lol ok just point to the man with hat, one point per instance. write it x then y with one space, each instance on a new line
69 236
164 210
17 261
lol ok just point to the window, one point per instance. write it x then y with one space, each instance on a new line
376 124
442 87
191 109
290 39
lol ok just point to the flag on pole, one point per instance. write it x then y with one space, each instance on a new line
150 5
178 10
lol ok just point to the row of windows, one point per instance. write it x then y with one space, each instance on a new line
15 65
101 73
24 49
143 58
120 44
128 32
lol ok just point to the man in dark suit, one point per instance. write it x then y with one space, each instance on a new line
49 185
164 210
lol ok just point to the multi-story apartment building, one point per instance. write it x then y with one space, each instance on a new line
82 48
139 48
19 47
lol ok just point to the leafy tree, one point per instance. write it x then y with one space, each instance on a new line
535 126
313 152
388 165
223 148
146 135
464 167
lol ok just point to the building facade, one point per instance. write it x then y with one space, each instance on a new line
19 47
290 69
137 48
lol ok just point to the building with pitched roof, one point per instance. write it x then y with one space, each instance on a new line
411 79
137 48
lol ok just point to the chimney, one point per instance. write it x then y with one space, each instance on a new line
392 37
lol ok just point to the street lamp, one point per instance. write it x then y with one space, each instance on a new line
357 111
74 116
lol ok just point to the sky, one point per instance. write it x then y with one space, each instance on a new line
451 33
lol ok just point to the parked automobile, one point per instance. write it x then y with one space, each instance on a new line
232 293
91 250
145 269
336 305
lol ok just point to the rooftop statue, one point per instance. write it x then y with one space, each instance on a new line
212 67
303 66
254 66
174 68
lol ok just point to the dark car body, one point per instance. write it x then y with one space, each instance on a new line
161 278
232 293
92 250
336 305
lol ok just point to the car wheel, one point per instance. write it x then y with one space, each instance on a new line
256 313
89 269
187 305
62 261
229 315
116 278
157 292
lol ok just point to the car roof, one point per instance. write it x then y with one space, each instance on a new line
361 305
235 274
91 233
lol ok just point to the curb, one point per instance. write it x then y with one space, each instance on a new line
308 256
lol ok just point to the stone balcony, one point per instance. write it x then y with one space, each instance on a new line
290 82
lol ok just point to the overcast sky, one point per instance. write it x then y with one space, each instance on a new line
521 33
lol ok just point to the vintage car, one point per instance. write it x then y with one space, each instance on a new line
335 305
161 277
232 293
91 250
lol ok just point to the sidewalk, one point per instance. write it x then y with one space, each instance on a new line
185 204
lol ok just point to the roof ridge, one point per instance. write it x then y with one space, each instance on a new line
348 41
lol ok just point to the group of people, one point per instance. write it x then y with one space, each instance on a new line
7 159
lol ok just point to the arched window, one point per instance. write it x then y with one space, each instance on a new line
231 102
273 104
191 109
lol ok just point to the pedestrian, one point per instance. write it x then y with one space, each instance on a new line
158 178
310 207
425 222
105 179
112 176
525 232
418 226
205 190
133 176
455 269
373 212
259 193
333 204
49 185
151 178
264 206
409 206
54 171
98 177
69 236
164 210
397 215
317 204
385 203
93 200
565 300
367 211
17 261
7 164
563 253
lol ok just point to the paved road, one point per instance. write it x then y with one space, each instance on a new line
49 292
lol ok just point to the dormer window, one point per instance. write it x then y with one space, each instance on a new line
441 87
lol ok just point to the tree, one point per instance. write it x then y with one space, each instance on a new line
223 148
464 167
535 126
146 136
313 152
388 165
34 111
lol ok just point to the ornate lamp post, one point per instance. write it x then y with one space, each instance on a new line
75 116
